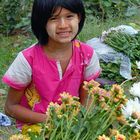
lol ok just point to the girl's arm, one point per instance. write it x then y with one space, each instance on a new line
83 95
15 110
84 98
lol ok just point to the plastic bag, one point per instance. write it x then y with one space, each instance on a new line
108 54
4 120
122 28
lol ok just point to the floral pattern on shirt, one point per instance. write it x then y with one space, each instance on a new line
32 96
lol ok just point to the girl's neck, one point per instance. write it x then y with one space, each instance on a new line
58 47
58 51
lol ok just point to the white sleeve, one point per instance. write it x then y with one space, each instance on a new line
19 73
92 70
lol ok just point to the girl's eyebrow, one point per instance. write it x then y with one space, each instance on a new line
56 15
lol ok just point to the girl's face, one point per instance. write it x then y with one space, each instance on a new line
63 26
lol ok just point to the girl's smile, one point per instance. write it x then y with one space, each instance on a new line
63 26
63 33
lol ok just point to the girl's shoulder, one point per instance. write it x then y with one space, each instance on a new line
31 49
31 52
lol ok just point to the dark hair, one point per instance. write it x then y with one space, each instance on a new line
43 10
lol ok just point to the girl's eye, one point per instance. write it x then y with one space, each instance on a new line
53 18
70 16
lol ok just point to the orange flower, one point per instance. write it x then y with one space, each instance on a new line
91 84
136 115
105 106
120 137
116 100
102 91
103 137
121 119
65 97
117 135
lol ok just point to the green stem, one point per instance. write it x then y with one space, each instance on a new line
78 135
53 134
3 132
88 110
69 122
127 80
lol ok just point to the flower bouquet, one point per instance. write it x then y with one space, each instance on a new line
107 115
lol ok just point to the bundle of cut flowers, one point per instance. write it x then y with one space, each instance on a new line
107 115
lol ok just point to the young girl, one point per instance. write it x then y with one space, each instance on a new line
57 63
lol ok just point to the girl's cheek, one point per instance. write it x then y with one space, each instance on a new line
51 29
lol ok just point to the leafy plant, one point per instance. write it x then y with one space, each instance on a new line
12 14
126 44
110 8
111 71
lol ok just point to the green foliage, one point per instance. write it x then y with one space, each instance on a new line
111 8
127 44
12 13
111 71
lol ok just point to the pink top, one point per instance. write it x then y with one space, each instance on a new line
43 78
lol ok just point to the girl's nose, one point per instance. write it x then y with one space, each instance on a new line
62 23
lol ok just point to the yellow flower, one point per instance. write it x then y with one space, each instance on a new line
70 105
35 128
103 137
117 89
113 132
19 137
120 96
136 135
56 107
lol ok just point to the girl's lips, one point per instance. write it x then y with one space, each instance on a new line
64 34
